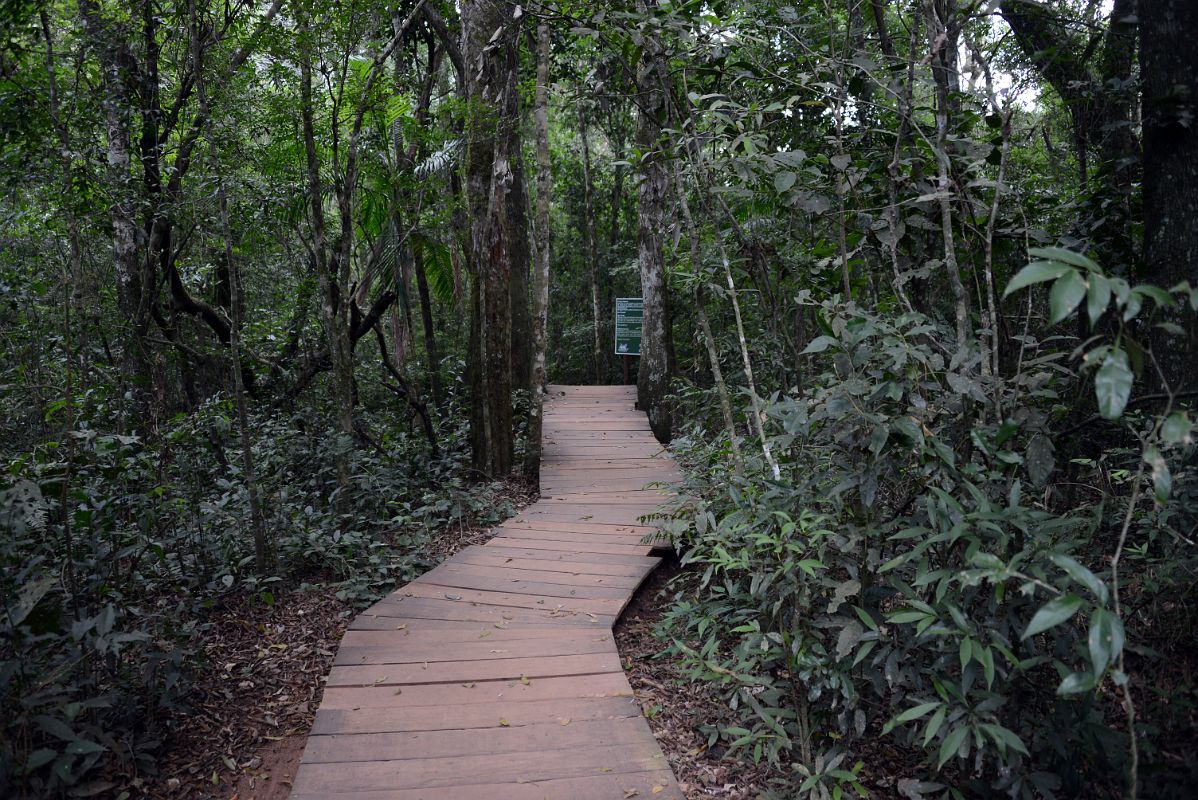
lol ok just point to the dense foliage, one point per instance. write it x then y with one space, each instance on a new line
920 311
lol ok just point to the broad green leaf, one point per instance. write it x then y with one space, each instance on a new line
1162 479
1105 640
1158 294
1066 293
1053 613
916 712
819 344
784 180
1063 255
934 724
1004 737
1099 297
1112 384
1036 272
951 744
1076 682
1177 428
1082 575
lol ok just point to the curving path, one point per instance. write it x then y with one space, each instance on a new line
495 675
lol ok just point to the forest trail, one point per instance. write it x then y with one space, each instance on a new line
496 675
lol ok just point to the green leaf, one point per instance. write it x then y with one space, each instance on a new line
1053 613
1036 272
1112 384
934 724
1099 297
819 344
1082 575
1063 255
784 180
916 712
1105 640
951 744
1162 479
1076 682
1066 293
1177 428
82 747
1004 737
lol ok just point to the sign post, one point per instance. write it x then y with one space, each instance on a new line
629 315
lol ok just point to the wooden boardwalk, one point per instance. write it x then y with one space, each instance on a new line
496 675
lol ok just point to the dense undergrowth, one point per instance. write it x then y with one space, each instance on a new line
116 555
958 566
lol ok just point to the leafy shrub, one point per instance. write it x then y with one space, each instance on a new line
915 572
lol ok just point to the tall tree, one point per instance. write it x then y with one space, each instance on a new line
489 41
540 294
657 346
1169 76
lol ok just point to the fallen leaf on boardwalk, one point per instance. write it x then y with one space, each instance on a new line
469 685
401 626
484 634
453 597
524 680
658 789
399 691
564 721
630 793
503 723
380 680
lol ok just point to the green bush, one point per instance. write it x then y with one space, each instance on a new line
917 574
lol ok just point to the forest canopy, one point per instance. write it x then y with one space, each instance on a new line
282 285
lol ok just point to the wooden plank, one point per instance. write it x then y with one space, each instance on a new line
403 610
572 536
573 547
414 634
474 715
578 556
576 527
512 600
640 756
547 738
530 582
656 784
405 653
568 577
490 669
550 562
355 698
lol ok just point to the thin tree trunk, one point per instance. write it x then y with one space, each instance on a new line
944 60
592 248
713 355
657 349
329 300
540 296
430 333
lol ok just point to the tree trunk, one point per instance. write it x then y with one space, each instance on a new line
110 40
540 296
489 33
592 250
657 347
519 253
1169 75
329 301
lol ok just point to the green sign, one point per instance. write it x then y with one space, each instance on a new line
628 326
